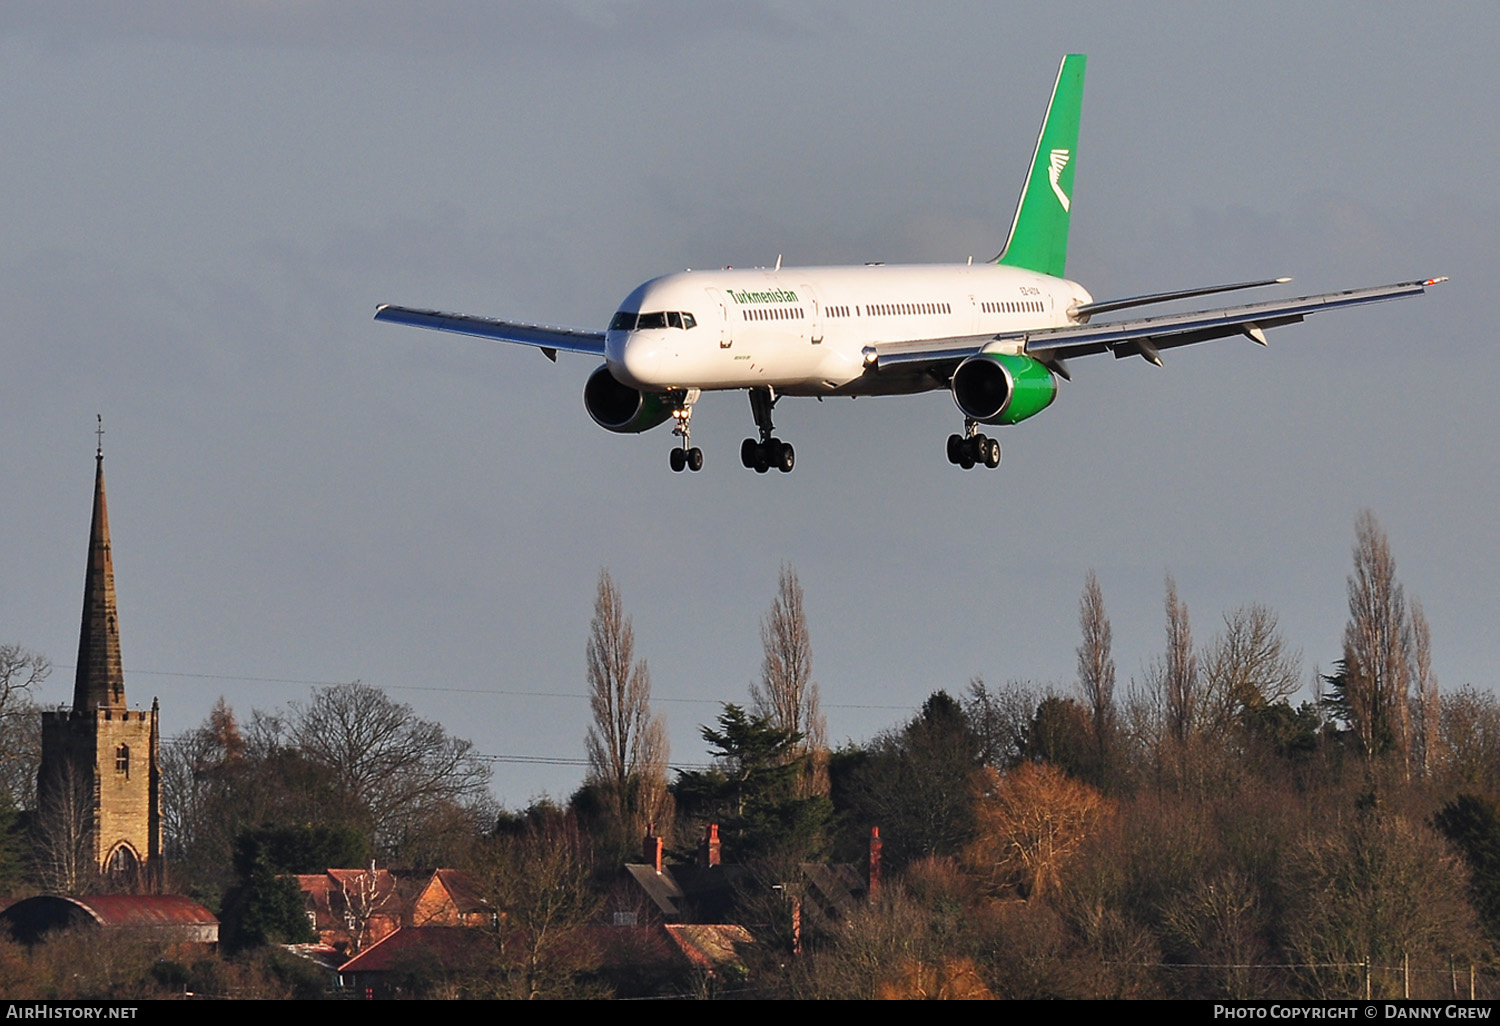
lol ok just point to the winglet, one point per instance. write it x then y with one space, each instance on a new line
1039 234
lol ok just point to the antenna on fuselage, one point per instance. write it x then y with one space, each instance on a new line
778 261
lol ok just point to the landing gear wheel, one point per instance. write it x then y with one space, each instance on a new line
695 459
973 447
678 459
786 458
992 453
769 451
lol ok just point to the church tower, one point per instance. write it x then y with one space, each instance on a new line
100 781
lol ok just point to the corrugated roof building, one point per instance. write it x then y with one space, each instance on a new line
170 917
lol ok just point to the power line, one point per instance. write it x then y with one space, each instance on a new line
494 692
531 760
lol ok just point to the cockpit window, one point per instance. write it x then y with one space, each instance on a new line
626 321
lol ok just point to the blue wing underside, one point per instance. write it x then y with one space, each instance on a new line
549 340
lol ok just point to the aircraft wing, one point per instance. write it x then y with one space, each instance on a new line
1143 337
548 340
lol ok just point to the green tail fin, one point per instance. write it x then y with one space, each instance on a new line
1039 235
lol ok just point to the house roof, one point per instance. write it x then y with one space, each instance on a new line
709 945
838 886
450 947
329 892
462 889
707 891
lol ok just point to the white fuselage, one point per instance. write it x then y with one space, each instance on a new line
803 331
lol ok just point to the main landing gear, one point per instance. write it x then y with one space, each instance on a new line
770 451
972 448
687 456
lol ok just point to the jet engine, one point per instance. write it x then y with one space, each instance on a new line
1000 388
620 408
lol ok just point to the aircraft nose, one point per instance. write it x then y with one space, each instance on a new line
639 361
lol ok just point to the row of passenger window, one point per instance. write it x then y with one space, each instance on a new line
627 321
773 313
1014 306
897 309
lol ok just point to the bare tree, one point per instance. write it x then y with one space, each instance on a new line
787 695
1221 918
539 878
1163 712
1372 694
1247 666
364 894
20 753
1381 890
1428 708
20 672
384 761
1030 823
627 745
1469 738
20 741
1001 719
1179 670
201 791
1096 668
64 831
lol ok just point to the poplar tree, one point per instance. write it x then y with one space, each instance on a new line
627 745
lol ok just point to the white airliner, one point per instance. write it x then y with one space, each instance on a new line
996 334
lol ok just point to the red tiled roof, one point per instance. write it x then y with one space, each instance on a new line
452 946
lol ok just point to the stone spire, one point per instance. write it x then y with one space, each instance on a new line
100 682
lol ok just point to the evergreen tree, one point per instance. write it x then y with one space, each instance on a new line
914 784
752 790
1472 823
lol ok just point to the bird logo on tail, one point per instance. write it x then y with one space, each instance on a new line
1054 173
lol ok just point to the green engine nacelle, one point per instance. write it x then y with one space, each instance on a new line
998 388
620 408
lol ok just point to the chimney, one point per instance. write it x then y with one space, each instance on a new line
872 869
796 926
708 851
651 848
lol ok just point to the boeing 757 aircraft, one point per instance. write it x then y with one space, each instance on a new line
997 335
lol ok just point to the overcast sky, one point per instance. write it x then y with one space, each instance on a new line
202 204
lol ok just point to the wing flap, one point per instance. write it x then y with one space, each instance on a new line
548 339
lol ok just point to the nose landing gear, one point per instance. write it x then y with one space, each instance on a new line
687 456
